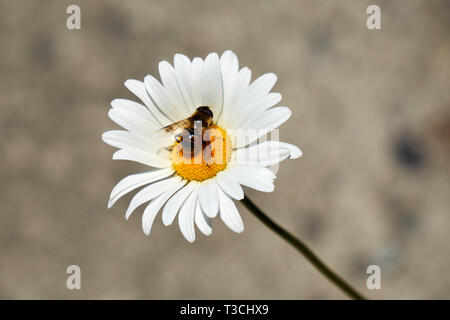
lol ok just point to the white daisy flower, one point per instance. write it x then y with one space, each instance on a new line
202 189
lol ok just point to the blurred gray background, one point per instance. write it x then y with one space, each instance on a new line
370 112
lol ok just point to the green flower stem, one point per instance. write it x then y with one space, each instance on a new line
304 250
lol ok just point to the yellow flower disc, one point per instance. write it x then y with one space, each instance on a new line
199 166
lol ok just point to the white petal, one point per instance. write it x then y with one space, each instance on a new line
269 119
131 121
164 101
174 204
183 71
255 177
202 221
154 206
196 82
138 88
144 157
186 217
256 107
135 181
212 92
229 66
136 108
263 158
150 192
256 90
173 90
230 185
150 213
207 195
263 124
229 213
294 151
235 88
266 153
263 84
124 139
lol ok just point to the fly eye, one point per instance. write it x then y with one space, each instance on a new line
206 110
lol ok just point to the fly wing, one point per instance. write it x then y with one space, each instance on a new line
171 128
165 136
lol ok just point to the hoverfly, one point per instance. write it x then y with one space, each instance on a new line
194 128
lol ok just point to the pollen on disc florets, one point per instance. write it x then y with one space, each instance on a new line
203 165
